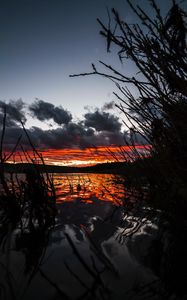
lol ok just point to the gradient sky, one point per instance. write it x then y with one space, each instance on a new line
43 41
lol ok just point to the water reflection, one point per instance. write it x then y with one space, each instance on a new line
96 250
88 188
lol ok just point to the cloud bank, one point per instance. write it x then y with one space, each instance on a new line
97 128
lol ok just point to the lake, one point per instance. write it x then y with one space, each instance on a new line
99 247
88 188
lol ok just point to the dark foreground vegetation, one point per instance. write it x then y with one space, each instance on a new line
157 116
157 47
27 215
27 205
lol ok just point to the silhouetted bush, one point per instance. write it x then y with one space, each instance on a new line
157 47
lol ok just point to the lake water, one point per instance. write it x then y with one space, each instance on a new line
88 188
98 249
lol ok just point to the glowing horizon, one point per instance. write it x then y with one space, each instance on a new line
82 157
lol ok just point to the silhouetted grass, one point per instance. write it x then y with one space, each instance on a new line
27 202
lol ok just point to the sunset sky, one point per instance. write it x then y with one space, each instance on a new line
82 157
42 42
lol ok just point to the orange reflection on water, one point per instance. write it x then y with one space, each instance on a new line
89 188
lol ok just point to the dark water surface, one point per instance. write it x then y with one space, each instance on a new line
97 249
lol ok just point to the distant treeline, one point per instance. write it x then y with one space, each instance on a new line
111 168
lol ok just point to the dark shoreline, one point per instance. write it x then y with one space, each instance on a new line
109 168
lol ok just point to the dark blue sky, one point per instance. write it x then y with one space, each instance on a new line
43 41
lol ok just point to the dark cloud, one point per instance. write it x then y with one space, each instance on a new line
9 121
98 128
44 111
108 105
135 137
102 121
14 112
11 137
70 136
